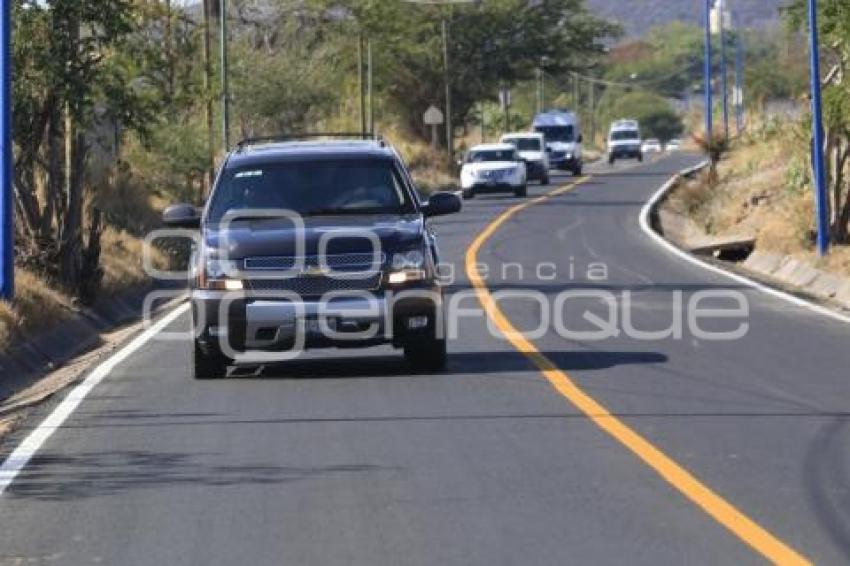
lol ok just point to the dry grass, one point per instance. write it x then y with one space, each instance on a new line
121 260
759 194
429 166
36 306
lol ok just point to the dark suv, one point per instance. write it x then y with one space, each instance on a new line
314 243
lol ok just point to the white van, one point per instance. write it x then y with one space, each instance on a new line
624 141
563 139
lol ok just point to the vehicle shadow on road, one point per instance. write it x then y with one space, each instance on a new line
460 363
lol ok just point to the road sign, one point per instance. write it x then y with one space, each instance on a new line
433 117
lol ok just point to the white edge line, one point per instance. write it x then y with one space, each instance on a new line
25 451
645 214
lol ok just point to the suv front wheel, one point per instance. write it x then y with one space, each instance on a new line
427 354
210 364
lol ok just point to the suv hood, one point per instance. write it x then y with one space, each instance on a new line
278 237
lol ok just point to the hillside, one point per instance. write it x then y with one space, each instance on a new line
644 14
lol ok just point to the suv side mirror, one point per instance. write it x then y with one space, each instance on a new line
442 203
580 138
182 216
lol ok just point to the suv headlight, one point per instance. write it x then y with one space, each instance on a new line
219 274
407 266
414 259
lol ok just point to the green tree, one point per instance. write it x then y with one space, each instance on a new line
492 43
657 118
67 80
834 22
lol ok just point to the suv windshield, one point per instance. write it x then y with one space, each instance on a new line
313 188
625 135
492 155
556 133
525 144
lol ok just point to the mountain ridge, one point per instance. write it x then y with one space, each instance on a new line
638 16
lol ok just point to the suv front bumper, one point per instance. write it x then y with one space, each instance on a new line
240 322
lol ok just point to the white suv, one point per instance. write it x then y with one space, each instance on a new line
493 168
624 141
532 149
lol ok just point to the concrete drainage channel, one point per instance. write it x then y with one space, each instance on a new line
737 255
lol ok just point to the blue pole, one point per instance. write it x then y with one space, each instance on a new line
739 81
724 68
818 134
7 237
707 72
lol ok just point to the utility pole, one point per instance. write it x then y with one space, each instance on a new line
225 80
822 204
739 82
7 236
505 103
707 72
361 85
483 126
449 130
538 105
576 93
210 174
724 71
541 89
592 84
369 85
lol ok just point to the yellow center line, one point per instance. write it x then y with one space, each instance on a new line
677 476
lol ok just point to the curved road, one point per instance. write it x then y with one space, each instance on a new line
344 458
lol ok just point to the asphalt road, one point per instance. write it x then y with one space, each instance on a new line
345 458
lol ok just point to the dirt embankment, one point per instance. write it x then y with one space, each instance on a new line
760 215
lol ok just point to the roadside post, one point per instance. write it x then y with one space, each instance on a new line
225 78
505 103
739 82
822 205
720 23
707 72
434 118
7 237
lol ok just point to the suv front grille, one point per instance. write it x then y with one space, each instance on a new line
354 272
310 286
341 262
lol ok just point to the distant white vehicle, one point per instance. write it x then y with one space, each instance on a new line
493 168
531 147
562 130
674 145
624 141
651 145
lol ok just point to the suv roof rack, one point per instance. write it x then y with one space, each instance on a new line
308 136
